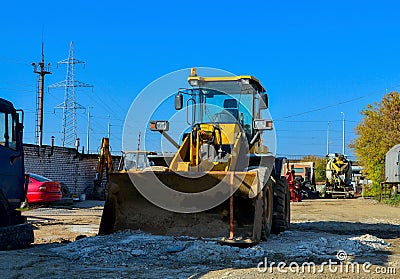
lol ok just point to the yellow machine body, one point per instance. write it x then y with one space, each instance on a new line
216 151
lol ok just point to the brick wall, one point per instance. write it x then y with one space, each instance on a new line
77 171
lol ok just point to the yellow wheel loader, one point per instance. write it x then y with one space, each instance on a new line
223 181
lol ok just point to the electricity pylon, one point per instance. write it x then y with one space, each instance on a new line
69 106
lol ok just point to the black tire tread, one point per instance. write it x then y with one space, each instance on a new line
280 221
16 237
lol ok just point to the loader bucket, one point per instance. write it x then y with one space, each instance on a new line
127 208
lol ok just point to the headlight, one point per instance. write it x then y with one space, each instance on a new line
262 124
159 125
193 82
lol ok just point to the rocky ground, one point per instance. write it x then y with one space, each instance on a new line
363 234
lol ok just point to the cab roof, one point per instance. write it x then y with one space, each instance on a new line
6 106
244 79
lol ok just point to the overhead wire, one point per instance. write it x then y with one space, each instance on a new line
336 104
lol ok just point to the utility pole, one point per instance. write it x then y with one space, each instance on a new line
88 130
108 127
138 143
69 106
41 70
343 134
327 138
138 149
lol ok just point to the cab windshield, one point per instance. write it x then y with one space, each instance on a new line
213 106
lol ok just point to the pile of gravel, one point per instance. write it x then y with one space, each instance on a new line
145 250
126 248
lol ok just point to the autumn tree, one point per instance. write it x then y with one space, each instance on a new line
319 167
378 131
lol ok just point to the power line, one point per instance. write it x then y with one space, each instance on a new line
9 60
336 104
17 90
307 121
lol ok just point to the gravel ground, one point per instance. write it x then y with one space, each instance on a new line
355 231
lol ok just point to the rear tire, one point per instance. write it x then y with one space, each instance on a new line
16 237
281 219
5 216
65 191
268 210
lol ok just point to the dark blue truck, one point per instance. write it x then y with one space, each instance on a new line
14 232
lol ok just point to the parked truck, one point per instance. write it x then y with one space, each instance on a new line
14 231
338 177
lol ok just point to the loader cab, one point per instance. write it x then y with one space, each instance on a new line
136 160
12 191
215 100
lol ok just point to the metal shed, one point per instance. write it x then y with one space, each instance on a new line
392 166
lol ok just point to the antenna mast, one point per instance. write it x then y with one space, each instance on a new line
41 70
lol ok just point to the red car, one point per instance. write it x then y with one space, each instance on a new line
42 189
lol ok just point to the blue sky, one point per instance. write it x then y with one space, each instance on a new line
312 56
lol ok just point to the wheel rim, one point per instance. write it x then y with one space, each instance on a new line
268 210
287 209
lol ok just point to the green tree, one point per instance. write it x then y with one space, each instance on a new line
319 168
378 131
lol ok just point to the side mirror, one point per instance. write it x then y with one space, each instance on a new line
178 101
264 101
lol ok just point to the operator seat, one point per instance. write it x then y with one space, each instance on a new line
231 106
229 114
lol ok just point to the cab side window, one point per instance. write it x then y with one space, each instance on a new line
8 137
3 130
12 141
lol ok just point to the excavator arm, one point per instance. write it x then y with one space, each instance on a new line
104 164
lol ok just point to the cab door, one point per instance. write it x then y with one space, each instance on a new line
11 160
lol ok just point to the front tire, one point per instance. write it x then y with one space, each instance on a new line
268 209
16 237
281 218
